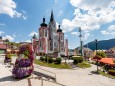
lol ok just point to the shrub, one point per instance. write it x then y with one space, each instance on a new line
80 59
75 60
113 61
46 59
58 61
42 58
50 60
9 56
111 72
97 57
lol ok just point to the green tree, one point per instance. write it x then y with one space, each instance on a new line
101 53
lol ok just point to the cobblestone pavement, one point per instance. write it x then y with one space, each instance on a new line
76 77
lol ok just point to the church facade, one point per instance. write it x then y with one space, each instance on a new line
50 40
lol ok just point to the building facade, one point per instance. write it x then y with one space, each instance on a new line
2 47
50 39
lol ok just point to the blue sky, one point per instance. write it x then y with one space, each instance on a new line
20 19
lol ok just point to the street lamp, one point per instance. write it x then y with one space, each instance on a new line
96 42
81 42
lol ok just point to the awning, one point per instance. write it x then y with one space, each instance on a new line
107 61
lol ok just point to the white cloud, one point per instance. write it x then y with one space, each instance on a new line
90 14
111 28
86 4
105 32
1 32
2 24
66 35
14 35
10 38
55 1
17 41
86 36
74 33
9 7
67 25
32 33
28 41
60 13
109 31
57 24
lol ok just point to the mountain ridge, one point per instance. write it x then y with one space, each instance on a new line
102 44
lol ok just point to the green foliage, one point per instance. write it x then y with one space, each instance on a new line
77 60
45 59
26 53
80 59
50 60
106 74
97 57
101 53
84 65
111 72
42 58
53 65
9 56
58 61
113 61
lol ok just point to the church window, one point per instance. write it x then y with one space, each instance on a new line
40 34
45 33
61 36
40 43
54 44
50 46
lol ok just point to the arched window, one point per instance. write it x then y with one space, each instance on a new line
40 43
54 44
45 33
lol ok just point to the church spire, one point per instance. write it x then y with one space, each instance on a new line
52 16
43 19
59 30
43 24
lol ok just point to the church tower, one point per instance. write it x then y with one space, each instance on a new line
60 41
43 38
53 45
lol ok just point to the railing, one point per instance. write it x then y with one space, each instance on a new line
42 81
54 77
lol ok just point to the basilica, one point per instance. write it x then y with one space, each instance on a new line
50 40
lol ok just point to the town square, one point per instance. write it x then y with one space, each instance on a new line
57 43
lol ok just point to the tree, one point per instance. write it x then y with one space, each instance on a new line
6 40
97 57
101 53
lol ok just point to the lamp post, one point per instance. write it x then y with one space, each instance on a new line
81 42
96 42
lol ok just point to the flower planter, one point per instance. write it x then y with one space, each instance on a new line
21 72
24 63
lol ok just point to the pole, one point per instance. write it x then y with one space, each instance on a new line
81 51
96 54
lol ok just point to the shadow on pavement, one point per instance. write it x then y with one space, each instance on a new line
8 78
94 72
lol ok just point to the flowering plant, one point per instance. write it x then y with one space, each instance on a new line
24 63
27 51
